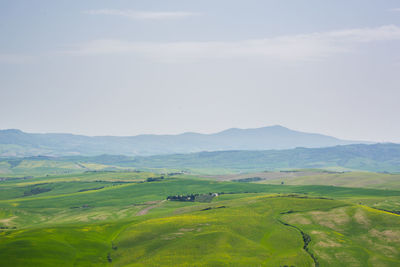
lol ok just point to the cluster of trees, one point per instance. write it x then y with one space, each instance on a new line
89 189
248 180
6 227
175 173
194 197
190 197
36 190
155 179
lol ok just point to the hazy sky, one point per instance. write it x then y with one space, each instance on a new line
130 67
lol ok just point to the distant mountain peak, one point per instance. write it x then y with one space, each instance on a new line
277 126
265 128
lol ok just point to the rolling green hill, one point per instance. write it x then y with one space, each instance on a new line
124 219
347 179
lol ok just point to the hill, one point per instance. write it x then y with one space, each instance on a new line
377 157
21 144
104 219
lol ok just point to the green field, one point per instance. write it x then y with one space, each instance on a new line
346 179
122 219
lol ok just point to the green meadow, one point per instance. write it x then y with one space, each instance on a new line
123 218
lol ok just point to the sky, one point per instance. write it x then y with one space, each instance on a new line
127 67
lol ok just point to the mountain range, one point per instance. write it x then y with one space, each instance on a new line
16 143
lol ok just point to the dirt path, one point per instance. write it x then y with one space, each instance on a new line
146 210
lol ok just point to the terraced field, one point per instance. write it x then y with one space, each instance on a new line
122 219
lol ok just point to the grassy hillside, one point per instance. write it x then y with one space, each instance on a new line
347 179
40 166
350 236
121 219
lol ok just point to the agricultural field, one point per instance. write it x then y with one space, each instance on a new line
345 179
134 218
